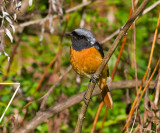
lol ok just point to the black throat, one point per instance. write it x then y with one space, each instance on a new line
79 44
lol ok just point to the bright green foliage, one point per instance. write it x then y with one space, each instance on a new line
33 56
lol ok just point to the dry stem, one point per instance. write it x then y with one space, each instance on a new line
148 67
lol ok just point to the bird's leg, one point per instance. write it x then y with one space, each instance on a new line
93 79
90 76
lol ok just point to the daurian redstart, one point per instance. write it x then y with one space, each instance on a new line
86 55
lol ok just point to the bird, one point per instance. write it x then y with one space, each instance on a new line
86 54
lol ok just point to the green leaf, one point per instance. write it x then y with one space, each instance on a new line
4 92
2 104
42 128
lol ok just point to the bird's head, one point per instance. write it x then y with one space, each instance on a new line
81 34
84 39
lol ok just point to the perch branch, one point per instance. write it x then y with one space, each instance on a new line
105 61
115 68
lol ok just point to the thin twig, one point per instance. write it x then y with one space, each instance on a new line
105 61
134 43
68 69
127 89
151 7
121 49
55 16
77 7
83 19
54 86
96 118
111 36
156 98
45 71
49 92
148 82
134 120
18 85
104 118
119 56
146 97
128 101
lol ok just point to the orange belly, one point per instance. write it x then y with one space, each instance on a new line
86 60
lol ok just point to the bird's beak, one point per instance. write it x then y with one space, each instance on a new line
68 34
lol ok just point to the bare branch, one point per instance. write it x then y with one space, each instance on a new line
42 117
134 43
76 8
151 7
54 86
55 16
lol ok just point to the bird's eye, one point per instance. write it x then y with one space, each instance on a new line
81 37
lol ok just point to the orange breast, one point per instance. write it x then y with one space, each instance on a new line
86 60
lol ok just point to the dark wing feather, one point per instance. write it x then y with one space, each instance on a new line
99 48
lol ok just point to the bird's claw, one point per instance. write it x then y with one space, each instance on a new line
94 78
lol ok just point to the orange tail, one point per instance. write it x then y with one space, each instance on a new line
105 92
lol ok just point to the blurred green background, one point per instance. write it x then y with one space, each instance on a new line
32 57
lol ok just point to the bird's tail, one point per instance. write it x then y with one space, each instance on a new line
105 92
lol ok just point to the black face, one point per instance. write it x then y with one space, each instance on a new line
79 42
83 39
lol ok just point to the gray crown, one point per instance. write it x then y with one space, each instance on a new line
88 34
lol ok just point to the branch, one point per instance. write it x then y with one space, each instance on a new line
55 16
53 87
42 117
156 98
76 8
105 61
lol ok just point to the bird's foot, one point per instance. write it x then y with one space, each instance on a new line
94 78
